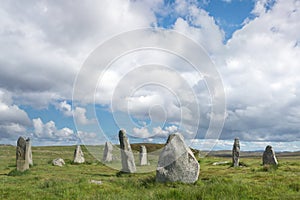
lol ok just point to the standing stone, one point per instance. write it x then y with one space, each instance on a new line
143 155
177 162
58 162
22 155
78 155
107 154
127 157
269 157
236 152
29 152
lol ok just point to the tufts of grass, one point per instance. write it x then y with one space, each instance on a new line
295 187
74 181
15 172
269 168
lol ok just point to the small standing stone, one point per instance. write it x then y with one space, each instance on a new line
236 152
143 155
269 157
108 152
128 164
58 162
78 155
22 155
177 162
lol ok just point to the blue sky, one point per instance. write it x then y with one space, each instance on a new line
228 15
253 45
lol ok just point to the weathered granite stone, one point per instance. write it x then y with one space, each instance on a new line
108 152
78 155
58 162
29 151
96 182
220 163
128 164
236 152
177 162
143 155
269 157
22 155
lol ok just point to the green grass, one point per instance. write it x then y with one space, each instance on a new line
44 181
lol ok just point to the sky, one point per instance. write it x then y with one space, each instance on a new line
78 71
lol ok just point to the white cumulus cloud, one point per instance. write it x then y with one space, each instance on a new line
49 131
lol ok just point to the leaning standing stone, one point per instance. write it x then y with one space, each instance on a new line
269 157
78 155
143 155
22 159
236 152
177 162
128 164
107 154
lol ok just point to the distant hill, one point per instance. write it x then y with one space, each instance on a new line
150 146
153 147
228 153
6 145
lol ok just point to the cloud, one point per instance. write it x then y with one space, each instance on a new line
199 26
263 6
11 113
66 40
12 131
78 113
41 52
171 129
90 138
65 108
13 120
141 132
261 76
252 63
51 132
158 131
80 116
227 1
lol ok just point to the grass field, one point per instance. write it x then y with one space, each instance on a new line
44 181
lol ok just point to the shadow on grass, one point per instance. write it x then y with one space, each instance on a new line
148 182
295 187
121 174
241 164
15 172
106 175
269 168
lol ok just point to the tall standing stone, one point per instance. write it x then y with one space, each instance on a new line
29 151
236 152
177 162
22 155
143 155
269 157
127 157
108 152
78 155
